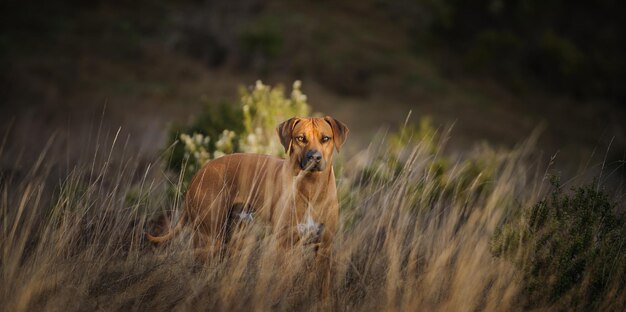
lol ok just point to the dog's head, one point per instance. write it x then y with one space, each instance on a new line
310 141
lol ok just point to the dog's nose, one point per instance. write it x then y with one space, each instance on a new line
314 155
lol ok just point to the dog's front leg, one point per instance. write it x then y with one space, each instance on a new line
324 259
324 276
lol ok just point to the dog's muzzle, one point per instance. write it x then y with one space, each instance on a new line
313 161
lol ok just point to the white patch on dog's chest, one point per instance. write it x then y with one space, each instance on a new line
308 227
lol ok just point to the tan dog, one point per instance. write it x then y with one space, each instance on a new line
297 195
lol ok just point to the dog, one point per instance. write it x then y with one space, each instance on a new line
297 196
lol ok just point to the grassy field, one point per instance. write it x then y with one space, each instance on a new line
92 94
416 233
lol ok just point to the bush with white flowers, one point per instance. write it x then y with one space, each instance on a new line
261 108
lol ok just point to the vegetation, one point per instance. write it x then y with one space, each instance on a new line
570 249
418 230
570 48
249 127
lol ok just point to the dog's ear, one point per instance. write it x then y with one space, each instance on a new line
285 131
340 131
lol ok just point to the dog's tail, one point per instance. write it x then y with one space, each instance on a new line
170 233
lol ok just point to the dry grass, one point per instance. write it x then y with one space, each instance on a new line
406 242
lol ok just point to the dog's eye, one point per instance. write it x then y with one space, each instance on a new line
301 138
325 139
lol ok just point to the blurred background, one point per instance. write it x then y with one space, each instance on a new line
496 70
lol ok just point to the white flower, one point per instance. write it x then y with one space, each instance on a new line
186 139
225 143
252 139
259 85
198 138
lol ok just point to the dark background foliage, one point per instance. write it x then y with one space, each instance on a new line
518 64
569 47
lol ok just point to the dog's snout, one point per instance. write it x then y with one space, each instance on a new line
314 155
313 161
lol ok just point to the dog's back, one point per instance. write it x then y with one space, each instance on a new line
244 180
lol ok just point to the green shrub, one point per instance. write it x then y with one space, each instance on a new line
210 122
569 247
443 175
224 129
415 158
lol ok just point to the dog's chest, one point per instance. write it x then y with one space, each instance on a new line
309 230
308 225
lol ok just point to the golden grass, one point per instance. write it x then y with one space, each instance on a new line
405 243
